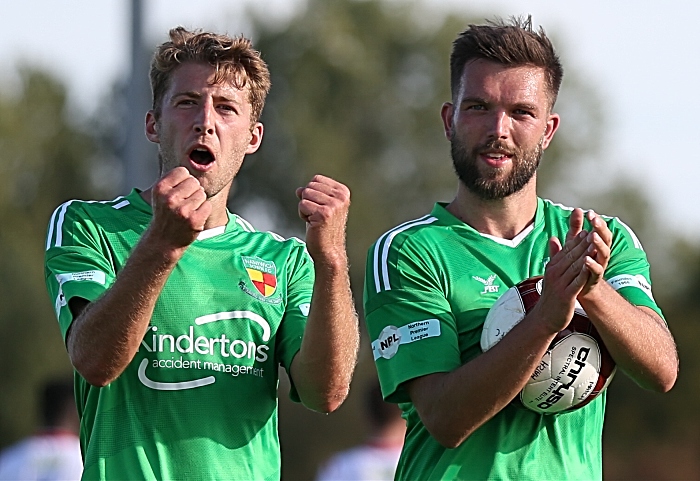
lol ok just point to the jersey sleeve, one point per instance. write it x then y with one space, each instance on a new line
299 291
628 271
409 320
74 263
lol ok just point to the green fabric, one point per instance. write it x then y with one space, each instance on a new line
199 399
429 284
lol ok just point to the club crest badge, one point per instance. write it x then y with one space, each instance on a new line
262 274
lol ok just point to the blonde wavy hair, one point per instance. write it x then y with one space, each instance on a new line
234 58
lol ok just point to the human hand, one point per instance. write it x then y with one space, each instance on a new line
565 276
180 208
598 255
324 205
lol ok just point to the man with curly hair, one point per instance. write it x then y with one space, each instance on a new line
176 313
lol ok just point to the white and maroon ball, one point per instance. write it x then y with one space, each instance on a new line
576 368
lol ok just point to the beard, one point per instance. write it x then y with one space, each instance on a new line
493 185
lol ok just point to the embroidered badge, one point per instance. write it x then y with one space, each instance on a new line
263 275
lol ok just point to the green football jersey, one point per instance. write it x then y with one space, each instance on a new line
199 399
429 284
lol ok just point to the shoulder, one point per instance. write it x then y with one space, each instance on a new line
555 212
414 231
79 208
89 213
406 247
267 240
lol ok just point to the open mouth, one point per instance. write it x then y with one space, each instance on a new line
498 155
201 156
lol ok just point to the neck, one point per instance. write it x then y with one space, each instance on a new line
504 218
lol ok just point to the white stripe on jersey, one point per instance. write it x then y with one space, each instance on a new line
59 224
388 237
245 225
635 239
50 234
276 236
61 211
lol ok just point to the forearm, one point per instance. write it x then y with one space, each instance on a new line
453 405
322 370
637 338
106 334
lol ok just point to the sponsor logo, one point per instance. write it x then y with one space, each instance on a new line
218 354
305 308
389 340
627 280
90 276
489 287
579 362
387 344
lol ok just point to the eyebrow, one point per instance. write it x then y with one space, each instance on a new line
474 100
483 101
198 95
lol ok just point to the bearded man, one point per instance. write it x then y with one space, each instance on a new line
496 232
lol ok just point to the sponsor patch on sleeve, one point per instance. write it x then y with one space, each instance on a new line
93 276
627 280
391 337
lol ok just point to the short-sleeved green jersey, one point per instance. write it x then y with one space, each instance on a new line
429 284
199 399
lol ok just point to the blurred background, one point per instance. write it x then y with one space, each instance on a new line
357 90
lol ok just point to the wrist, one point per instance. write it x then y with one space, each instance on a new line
162 251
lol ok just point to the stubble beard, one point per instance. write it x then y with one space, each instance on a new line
492 185
213 185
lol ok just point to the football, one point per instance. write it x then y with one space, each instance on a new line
576 368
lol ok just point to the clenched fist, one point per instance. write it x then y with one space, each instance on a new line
324 205
180 208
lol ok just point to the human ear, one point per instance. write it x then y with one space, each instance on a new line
152 127
550 129
256 135
447 114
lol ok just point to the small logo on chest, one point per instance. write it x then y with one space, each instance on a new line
262 274
489 287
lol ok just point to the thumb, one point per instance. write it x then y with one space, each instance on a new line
554 246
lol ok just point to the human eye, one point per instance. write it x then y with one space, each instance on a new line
524 112
185 102
475 107
227 108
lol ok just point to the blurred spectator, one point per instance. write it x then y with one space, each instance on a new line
53 453
377 457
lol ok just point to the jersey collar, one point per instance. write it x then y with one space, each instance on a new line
447 219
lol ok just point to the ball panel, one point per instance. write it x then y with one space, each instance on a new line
510 311
576 367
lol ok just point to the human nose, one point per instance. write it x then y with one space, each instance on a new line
204 122
499 127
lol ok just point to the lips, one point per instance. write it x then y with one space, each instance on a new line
496 158
201 156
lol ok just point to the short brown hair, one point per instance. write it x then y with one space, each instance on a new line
234 58
515 44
